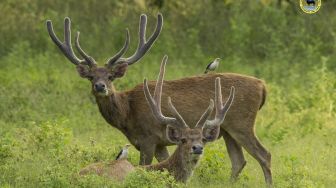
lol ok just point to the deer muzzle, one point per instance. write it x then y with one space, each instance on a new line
100 87
197 149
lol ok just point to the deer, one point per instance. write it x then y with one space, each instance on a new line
190 141
128 112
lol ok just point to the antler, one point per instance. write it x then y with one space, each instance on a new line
66 47
205 115
143 45
155 102
112 60
221 109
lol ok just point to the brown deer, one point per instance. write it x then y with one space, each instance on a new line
128 112
190 141
117 169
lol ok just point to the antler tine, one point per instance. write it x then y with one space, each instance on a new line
65 46
205 115
155 103
144 46
67 31
52 34
112 60
176 114
220 109
159 83
142 30
88 59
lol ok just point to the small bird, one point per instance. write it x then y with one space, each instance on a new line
212 66
123 153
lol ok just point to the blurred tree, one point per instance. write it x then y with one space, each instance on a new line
250 29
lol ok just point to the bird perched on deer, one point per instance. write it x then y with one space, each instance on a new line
212 66
123 154
121 166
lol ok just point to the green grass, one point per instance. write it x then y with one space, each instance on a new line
50 126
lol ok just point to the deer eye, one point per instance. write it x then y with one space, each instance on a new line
90 78
111 77
183 140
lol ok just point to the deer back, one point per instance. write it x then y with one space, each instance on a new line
117 169
191 95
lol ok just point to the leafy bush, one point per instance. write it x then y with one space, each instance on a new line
7 143
148 179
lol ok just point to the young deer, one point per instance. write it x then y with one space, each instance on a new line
128 111
190 141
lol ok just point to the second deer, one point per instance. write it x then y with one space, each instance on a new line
190 141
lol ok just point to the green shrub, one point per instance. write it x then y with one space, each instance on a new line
148 179
7 143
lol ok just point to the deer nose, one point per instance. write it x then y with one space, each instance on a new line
100 87
197 149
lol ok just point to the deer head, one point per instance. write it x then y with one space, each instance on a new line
190 140
101 77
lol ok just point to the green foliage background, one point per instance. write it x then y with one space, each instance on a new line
50 127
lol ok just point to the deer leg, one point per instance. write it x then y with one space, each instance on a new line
252 145
235 151
146 154
161 153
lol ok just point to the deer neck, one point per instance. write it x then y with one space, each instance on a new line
179 164
114 108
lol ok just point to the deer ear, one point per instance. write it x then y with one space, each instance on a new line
120 70
173 134
83 70
211 133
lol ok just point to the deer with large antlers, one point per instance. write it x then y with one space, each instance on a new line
129 113
190 141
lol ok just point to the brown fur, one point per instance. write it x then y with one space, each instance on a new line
117 170
129 112
190 95
180 164
190 141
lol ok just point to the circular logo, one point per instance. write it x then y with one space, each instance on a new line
310 6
